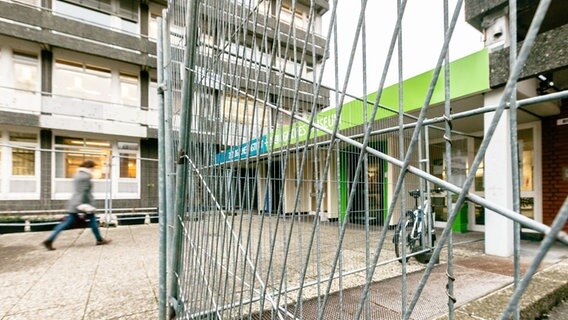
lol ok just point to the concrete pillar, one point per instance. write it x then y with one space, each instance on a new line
498 185
46 71
144 18
46 175
144 89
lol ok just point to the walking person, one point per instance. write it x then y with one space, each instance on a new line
82 201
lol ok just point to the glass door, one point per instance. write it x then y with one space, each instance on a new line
530 176
460 165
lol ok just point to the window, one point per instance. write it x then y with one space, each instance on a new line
25 71
102 5
29 2
300 20
119 14
82 81
153 95
19 165
127 155
1 159
129 94
23 159
479 181
71 152
239 110
83 13
128 9
459 166
153 27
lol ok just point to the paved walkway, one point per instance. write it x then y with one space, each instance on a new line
80 280
120 280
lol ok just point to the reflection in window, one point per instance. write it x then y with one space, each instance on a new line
153 95
128 152
83 13
300 20
459 170
128 165
25 71
82 81
129 90
479 214
30 2
153 27
240 109
119 14
479 181
459 161
526 148
23 160
1 156
73 151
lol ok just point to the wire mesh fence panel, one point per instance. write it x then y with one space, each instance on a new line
285 193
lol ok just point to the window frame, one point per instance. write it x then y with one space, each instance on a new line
112 180
63 64
6 164
29 59
113 10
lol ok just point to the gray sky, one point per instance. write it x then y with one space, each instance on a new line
422 40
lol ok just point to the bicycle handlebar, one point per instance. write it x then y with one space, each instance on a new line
416 193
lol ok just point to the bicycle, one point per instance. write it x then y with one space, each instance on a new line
415 229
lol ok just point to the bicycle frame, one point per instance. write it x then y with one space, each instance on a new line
420 236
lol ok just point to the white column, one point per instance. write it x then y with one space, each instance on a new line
498 185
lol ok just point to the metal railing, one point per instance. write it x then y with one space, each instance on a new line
45 194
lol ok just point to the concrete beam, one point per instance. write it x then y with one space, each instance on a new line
19 119
74 35
549 53
475 10
320 6
305 89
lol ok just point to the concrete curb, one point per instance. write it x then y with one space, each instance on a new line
547 288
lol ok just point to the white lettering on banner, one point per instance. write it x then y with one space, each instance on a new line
301 131
328 121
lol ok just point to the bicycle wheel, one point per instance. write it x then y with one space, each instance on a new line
411 242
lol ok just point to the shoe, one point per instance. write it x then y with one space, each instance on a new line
103 242
48 244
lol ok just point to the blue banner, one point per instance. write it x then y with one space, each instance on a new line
240 152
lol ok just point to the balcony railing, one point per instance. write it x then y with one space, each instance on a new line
50 105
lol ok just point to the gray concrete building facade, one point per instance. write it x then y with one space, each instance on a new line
79 81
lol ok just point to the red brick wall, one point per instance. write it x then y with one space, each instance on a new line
554 161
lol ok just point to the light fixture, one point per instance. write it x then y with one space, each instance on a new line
544 85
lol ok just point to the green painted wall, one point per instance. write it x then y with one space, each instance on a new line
469 75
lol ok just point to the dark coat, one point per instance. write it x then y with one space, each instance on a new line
82 190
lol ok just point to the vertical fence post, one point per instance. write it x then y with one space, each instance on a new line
515 153
184 144
168 140
161 177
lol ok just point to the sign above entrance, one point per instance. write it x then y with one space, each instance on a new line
469 75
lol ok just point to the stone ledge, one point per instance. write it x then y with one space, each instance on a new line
547 288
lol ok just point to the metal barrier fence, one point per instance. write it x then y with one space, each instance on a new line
36 183
273 205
